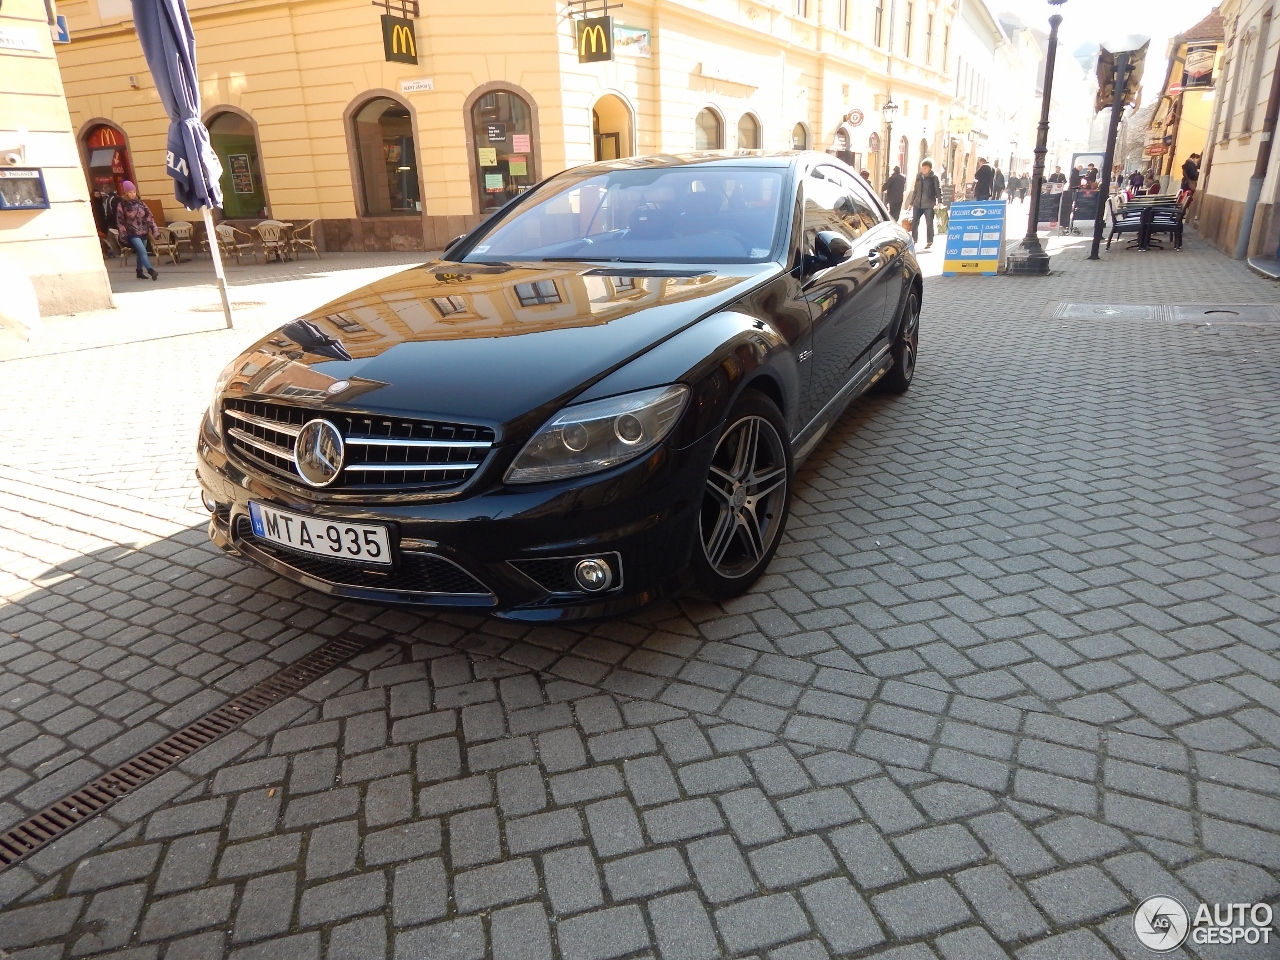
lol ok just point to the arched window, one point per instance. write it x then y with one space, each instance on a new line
800 137
388 159
244 194
924 150
502 131
748 133
708 131
902 152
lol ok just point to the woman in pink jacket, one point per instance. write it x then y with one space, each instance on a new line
135 223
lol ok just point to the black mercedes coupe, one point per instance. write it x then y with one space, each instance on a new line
596 398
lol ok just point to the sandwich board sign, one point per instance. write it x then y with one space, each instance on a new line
975 238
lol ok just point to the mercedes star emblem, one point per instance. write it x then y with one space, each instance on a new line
318 453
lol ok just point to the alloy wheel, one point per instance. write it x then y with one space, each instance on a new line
745 497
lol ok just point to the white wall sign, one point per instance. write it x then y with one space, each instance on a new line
19 38
416 86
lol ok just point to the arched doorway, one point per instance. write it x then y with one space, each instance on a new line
611 128
924 150
382 131
108 164
902 153
708 131
502 147
235 141
748 132
800 137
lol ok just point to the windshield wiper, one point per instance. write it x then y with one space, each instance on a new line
595 260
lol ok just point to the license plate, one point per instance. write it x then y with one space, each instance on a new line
336 539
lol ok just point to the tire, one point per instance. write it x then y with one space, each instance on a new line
905 348
746 499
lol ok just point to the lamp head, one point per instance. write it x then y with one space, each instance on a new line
889 111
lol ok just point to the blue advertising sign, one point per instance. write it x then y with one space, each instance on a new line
975 238
62 33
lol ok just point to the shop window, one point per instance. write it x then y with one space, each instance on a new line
244 195
748 133
388 159
502 130
708 131
800 137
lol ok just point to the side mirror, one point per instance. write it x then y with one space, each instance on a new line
833 247
829 249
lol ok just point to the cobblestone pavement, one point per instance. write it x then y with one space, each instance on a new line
1014 670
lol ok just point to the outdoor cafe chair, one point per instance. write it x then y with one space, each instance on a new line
234 243
1125 218
274 239
305 237
183 235
165 244
125 250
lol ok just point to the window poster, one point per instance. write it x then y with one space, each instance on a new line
241 175
520 143
517 167
488 156
493 183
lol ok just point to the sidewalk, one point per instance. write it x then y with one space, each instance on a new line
1013 670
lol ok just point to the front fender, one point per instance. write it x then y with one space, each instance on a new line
718 357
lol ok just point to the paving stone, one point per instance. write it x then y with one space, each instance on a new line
266 907
1004 909
844 920
682 821
495 885
682 928
603 934
571 880
938 849
761 922
645 874
520 933
720 870
461 939
1076 896
920 909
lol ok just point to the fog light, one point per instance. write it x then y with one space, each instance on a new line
593 575
208 503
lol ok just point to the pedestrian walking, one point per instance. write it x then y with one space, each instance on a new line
1136 180
894 188
925 194
983 179
135 223
1024 186
998 183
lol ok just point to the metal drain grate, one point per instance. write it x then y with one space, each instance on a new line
59 817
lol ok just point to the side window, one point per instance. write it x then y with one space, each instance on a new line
825 206
861 212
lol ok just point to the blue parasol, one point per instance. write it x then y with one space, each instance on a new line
164 30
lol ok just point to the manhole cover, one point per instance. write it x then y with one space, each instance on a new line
217 307
1225 312
1176 312
1106 311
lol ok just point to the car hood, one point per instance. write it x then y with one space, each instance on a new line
491 344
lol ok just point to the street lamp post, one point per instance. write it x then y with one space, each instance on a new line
1033 258
1013 149
890 113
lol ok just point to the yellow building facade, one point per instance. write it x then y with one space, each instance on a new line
46 230
313 122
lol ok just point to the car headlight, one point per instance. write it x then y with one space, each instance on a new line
589 437
219 385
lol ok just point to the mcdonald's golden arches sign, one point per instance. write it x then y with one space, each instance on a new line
595 39
399 43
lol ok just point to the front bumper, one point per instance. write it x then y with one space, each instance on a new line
473 551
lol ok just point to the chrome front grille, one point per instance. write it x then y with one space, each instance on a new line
381 453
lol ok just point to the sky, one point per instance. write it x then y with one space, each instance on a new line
1094 21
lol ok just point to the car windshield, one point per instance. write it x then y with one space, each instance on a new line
701 213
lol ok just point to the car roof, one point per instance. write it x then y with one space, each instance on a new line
780 159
